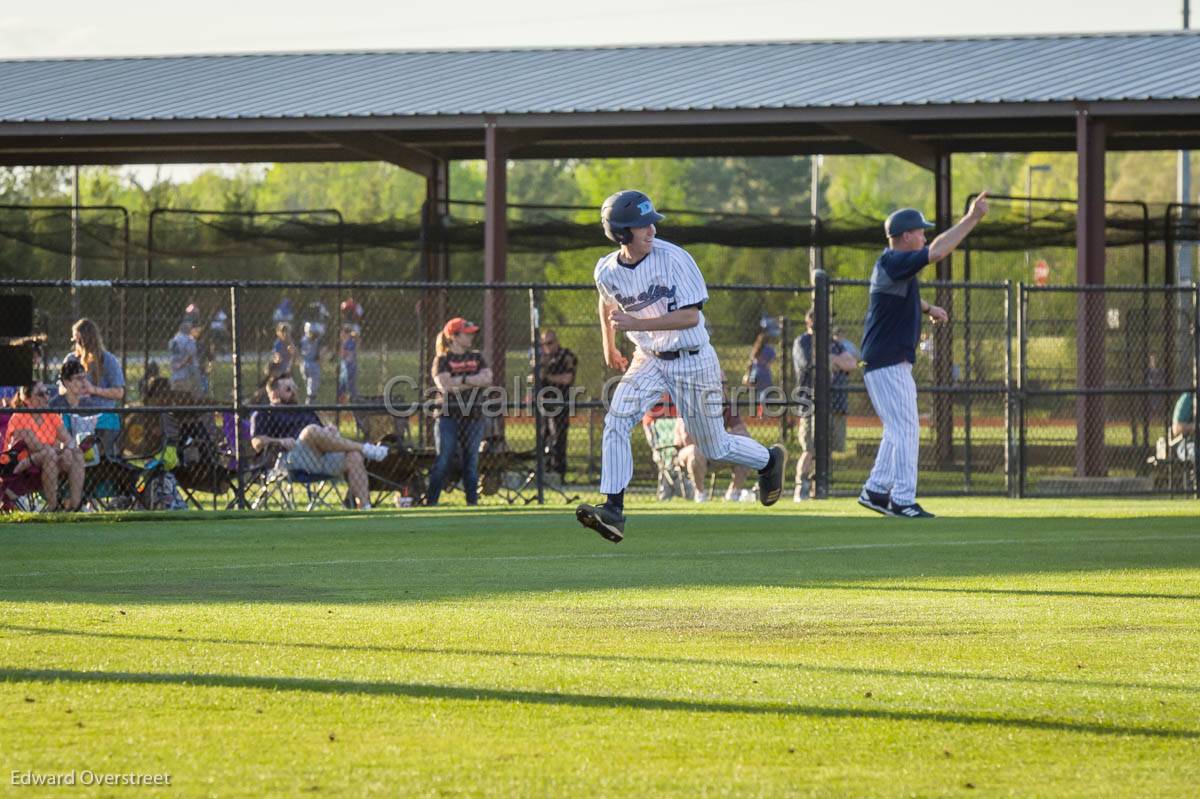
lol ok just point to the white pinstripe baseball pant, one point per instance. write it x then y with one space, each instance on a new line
893 392
694 382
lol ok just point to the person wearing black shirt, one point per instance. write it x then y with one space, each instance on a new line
889 350
558 370
841 364
310 446
460 374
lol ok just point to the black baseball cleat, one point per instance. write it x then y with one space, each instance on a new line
770 479
913 511
873 500
608 522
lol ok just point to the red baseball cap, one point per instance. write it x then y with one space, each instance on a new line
459 325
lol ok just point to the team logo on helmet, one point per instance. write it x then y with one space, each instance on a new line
625 210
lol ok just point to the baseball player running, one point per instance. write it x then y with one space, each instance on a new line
890 348
652 291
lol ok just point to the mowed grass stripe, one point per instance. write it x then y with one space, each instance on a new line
680 554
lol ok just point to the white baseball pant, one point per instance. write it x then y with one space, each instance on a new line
694 383
893 392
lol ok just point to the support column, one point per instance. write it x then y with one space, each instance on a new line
1089 271
435 268
943 340
495 248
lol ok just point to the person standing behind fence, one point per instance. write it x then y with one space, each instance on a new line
106 379
283 350
841 363
185 360
653 291
310 360
348 363
558 370
892 328
460 374
102 367
205 356
839 383
758 376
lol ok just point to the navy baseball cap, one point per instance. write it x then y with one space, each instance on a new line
904 220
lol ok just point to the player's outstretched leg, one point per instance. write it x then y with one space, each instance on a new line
640 388
770 477
608 521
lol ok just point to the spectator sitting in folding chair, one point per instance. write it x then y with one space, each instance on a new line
51 448
310 446
79 396
693 461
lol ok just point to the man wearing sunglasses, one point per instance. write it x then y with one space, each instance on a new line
311 446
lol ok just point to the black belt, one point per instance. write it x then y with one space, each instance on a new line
671 355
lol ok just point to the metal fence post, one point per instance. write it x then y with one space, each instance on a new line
535 342
1022 357
238 444
1010 399
785 373
821 381
1195 382
964 377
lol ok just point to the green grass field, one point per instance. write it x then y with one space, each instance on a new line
1004 649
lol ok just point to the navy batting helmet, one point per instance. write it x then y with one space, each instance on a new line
904 220
625 210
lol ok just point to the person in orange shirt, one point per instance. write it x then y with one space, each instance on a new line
50 446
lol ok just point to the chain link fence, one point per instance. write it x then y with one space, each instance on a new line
1027 391
1101 371
1034 387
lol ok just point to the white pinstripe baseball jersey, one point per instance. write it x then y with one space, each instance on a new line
665 280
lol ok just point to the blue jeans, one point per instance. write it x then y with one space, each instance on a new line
463 435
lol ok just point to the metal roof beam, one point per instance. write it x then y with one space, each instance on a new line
382 147
889 140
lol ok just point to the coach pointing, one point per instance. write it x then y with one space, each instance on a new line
890 347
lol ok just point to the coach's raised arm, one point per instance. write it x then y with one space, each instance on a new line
948 242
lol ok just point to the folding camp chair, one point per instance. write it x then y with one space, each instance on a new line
279 485
404 472
20 481
672 480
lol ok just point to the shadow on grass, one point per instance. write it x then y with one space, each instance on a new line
470 694
598 658
433 556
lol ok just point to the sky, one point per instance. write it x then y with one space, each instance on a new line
68 28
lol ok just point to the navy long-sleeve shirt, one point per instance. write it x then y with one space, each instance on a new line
893 323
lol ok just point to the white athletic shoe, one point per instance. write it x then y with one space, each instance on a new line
701 496
797 496
748 495
732 495
374 452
